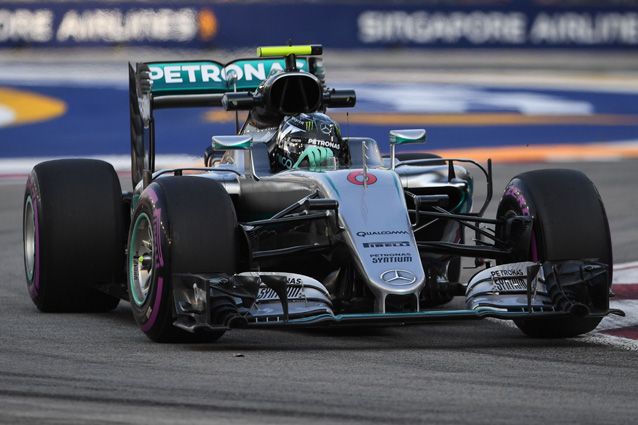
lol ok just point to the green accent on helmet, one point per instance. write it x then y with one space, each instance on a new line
317 156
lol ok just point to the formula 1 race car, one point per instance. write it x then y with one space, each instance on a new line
369 239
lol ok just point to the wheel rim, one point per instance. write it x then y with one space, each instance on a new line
533 249
141 259
29 238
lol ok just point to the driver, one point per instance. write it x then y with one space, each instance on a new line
308 140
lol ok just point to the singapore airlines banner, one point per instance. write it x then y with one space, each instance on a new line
431 24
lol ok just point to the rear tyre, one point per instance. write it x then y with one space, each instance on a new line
181 224
569 223
72 235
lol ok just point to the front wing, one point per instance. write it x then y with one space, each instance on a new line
523 290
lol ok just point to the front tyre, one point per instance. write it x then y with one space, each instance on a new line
570 223
182 224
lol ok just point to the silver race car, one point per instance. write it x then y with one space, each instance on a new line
252 240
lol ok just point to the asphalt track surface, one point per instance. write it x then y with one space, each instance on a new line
101 369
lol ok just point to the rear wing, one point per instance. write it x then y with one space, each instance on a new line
175 84
198 83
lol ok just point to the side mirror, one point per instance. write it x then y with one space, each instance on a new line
239 142
401 137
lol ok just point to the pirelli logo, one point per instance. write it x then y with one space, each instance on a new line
385 244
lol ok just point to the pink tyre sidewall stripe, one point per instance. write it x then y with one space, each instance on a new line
156 306
36 271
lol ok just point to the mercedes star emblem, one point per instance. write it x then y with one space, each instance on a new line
398 277
325 128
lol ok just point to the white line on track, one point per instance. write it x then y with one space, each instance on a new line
613 341
630 307
630 267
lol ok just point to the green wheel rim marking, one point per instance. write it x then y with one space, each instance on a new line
140 290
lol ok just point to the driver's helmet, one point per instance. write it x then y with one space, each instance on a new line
308 141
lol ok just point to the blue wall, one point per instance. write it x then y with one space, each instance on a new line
432 24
